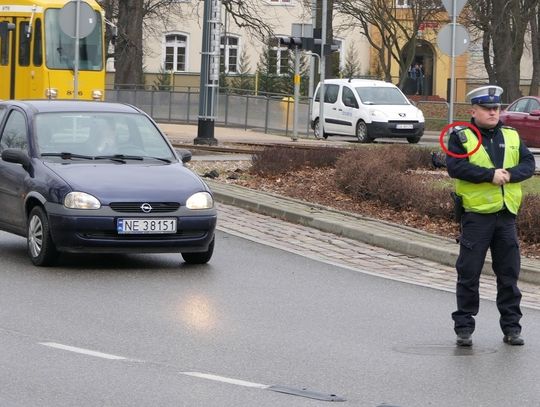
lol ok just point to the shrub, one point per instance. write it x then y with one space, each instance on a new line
528 221
386 174
276 160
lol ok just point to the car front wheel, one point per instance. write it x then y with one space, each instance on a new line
200 258
41 248
362 132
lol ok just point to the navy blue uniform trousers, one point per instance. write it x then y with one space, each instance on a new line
479 233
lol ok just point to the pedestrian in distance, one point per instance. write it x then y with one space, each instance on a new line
488 186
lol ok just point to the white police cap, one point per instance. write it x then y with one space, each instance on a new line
488 96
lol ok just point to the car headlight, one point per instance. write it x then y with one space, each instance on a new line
379 114
200 200
81 200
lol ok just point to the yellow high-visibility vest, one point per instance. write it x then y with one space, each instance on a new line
486 197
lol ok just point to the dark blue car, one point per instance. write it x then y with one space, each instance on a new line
91 177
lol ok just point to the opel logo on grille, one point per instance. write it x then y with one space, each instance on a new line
402 114
146 207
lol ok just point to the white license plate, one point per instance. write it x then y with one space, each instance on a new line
146 225
404 126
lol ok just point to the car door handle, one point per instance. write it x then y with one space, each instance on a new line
340 110
333 108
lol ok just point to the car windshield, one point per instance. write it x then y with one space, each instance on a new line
71 135
378 95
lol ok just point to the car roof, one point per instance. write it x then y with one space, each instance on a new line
359 82
49 106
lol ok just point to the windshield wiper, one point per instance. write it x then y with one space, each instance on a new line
67 156
165 160
118 157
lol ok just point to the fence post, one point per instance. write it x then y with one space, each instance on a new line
152 104
226 108
247 105
287 119
188 102
170 105
266 114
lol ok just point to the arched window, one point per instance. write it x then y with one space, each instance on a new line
175 52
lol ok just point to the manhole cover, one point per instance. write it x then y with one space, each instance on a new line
444 350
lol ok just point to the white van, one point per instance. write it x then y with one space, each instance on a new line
367 109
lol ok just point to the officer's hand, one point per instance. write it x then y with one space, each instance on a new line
500 177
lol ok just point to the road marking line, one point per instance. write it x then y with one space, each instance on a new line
82 351
225 380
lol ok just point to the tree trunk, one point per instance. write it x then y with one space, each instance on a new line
535 45
129 54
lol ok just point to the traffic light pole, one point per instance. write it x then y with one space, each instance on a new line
209 84
296 92
322 68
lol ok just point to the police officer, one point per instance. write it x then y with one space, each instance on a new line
489 185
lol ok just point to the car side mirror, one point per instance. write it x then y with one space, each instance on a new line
185 155
13 155
535 112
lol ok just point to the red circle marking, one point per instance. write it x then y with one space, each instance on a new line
455 124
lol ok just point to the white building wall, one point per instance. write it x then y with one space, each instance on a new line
280 16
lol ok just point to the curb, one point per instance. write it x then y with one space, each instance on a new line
398 238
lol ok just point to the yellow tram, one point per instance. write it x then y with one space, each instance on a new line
37 59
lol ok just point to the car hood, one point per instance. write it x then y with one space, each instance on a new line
130 182
399 112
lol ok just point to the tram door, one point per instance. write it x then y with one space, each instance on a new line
16 72
6 34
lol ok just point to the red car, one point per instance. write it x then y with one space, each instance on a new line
524 115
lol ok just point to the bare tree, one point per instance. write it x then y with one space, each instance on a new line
391 32
133 17
503 25
535 50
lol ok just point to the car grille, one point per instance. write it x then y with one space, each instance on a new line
135 207
109 235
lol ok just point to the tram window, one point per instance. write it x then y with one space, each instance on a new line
38 46
14 135
24 44
4 43
60 48
2 113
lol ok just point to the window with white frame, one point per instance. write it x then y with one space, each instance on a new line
175 52
402 3
278 59
280 2
228 54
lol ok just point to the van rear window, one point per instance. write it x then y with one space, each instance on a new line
330 93
377 95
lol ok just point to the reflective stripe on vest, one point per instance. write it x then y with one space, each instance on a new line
487 197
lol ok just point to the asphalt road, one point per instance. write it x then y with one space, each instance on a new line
147 330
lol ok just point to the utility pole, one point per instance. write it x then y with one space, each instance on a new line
209 84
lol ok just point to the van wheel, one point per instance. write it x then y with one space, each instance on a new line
362 132
41 248
413 140
317 131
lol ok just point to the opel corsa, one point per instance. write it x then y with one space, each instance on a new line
92 177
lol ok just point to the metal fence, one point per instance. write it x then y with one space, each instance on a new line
270 113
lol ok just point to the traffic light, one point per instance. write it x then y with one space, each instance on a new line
316 44
290 42
307 43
